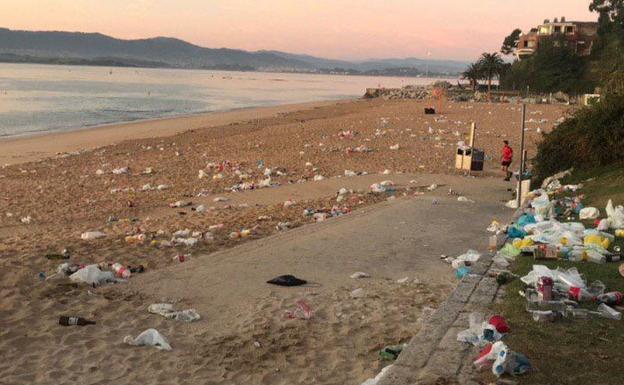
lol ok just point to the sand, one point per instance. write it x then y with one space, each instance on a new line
66 195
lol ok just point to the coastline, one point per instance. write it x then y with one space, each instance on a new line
38 146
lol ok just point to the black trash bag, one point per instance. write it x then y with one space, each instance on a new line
287 280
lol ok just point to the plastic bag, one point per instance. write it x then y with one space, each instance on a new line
615 215
92 275
525 220
589 213
150 337
509 251
166 310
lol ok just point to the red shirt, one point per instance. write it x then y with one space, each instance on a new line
507 154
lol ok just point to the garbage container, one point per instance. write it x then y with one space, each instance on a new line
463 158
469 159
478 157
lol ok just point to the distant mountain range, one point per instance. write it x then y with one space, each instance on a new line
98 49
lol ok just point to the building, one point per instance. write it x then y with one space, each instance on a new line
580 35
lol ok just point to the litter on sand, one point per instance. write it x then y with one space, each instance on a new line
150 337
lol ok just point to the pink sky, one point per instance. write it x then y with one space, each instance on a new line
346 29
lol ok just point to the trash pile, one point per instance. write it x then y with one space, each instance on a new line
95 274
555 229
494 353
554 294
462 263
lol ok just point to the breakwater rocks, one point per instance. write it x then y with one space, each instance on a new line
456 93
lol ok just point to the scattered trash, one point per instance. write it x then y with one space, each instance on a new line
589 213
302 311
74 321
287 280
358 293
464 199
481 333
91 235
359 274
166 310
391 353
150 337
92 275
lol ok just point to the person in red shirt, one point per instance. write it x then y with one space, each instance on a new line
506 159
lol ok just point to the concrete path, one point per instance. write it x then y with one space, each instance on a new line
394 239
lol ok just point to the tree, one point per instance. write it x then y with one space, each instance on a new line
612 9
473 74
511 42
491 66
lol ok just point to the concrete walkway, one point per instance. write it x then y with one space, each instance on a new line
393 239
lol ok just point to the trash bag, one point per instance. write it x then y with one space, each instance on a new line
525 220
150 337
92 275
615 215
509 251
515 232
287 280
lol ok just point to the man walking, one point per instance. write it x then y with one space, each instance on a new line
506 160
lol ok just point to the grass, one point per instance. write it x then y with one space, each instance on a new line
572 351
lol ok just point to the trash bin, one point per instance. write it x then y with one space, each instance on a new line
469 159
478 157
463 158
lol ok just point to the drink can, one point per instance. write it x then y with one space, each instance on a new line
544 288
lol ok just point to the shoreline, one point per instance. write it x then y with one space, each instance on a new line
38 146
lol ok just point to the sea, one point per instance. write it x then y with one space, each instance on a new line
38 98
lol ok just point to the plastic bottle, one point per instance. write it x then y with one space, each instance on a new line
609 312
74 321
613 298
121 271
579 294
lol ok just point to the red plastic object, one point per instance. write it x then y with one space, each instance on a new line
499 323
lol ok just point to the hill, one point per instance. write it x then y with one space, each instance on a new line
84 48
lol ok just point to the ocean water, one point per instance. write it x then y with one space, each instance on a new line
43 98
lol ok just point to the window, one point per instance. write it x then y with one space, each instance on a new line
557 29
569 29
525 44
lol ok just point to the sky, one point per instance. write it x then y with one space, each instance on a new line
340 29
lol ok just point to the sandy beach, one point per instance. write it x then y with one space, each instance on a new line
121 180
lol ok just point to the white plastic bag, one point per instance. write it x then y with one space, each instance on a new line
91 275
615 215
589 213
166 310
150 337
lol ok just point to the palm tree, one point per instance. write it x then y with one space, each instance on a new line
473 73
491 65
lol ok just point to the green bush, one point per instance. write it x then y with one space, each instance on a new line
592 137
